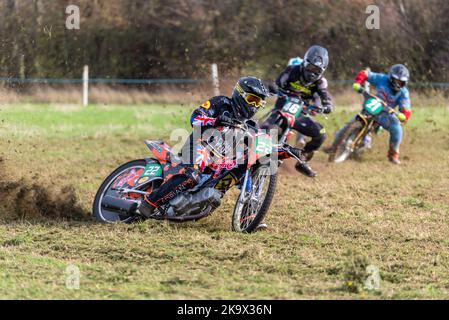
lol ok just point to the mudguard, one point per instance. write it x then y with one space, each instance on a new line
168 164
153 171
161 151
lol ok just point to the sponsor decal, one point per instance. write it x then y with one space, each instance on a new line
298 87
227 164
226 183
143 180
155 145
206 105
183 186
202 120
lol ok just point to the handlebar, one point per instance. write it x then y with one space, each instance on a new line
309 107
375 97
386 106
319 109
244 125
287 93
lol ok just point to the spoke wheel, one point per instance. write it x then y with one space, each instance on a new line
250 209
120 178
344 146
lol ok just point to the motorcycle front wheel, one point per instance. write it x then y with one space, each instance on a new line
250 210
344 147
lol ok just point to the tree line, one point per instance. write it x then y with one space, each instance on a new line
181 38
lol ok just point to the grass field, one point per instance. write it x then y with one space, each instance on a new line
322 233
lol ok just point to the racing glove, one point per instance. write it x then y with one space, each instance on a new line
405 114
357 87
402 117
314 110
224 120
273 88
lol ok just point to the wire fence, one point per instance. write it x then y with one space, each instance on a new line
213 82
101 81
434 85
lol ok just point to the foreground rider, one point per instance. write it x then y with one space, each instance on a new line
391 88
248 96
304 79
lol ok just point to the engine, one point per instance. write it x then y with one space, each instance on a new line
192 204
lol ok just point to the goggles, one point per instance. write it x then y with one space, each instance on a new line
250 98
313 68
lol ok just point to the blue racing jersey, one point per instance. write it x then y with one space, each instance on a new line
384 91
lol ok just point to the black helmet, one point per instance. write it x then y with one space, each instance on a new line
248 96
315 64
399 76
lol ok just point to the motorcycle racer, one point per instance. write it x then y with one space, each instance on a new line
304 78
248 96
391 88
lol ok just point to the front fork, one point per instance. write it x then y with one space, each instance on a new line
276 118
360 137
245 187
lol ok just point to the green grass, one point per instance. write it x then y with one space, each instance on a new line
322 233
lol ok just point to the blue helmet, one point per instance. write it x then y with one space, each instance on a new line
399 76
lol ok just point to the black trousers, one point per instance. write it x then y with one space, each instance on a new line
308 127
174 186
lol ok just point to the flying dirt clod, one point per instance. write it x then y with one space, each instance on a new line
24 199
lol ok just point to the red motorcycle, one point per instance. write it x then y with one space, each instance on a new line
251 169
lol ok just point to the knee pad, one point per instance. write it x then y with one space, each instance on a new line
315 143
322 136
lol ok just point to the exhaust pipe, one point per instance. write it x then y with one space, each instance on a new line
195 217
119 205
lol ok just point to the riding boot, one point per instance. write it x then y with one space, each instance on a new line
304 168
393 156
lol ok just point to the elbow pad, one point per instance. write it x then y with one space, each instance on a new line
361 77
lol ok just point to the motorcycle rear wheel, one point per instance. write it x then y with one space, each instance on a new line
109 216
